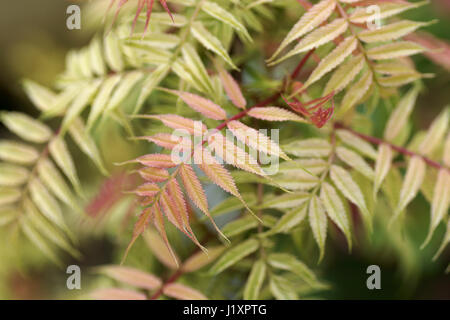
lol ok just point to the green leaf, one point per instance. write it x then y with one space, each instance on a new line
312 147
12 175
282 289
290 219
357 143
288 262
286 200
255 281
41 97
318 223
149 83
26 127
17 152
9 195
355 161
382 165
234 255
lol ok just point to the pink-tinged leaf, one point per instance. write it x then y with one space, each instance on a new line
232 89
255 139
147 190
439 50
206 107
158 221
177 122
139 227
117 294
174 215
182 292
165 140
196 193
131 276
157 161
154 174
274 114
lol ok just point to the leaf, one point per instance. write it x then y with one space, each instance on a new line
317 38
8 215
356 93
17 152
41 97
117 294
394 50
357 143
332 60
219 13
123 89
196 67
46 228
239 226
274 114
9 195
400 79
391 31
355 161
290 219
400 115
444 244
310 20
26 127
51 177
60 153
46 203
345 184
318 223
287 200
132 276
149 83
177 122
336 211
396 67
232 89
102 98
436 133
12 175
195 192
113 55
382 166
255 281
182 292
96 56
156 160
147 190
85 142
200 259
344 74
440 203
413 179
79 103
210 42
206 107
285 261
154 174
312 147
234 255
255 139
282 289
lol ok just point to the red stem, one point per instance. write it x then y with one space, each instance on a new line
401 150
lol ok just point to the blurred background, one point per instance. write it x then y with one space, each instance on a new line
34 40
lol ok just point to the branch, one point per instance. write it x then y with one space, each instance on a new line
399 149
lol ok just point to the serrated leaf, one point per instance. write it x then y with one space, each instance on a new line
102 98
318 37
310 20
344 74
440 203
345 184
159 245
395 50
149 83
413 179
60 153
177 122
290 219
234 255
357 143
206 107
318 223
182 292
196 67
399 79
232 89
156 160
355 93
200 259
391 31
285 261
382 165
113 53
210 42
239 226
335 210
80 135
96 56
282 289
274 114
41 96
124 87
312 147
255 139
132 276
435 133
154 174
400 115
355 161
17 152
285 201
255 281
332 60
26 127
12 175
